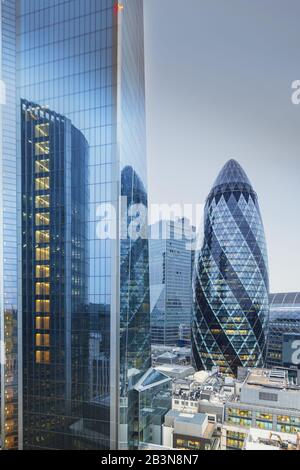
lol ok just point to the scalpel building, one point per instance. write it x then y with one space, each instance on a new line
81 121
231 283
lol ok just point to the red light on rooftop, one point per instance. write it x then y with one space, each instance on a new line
118 7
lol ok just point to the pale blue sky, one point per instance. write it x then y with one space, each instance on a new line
219 76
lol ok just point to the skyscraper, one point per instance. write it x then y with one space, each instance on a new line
54 268
231 284
171 258
81 69
8 231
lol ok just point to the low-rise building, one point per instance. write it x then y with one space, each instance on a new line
267 401
189 431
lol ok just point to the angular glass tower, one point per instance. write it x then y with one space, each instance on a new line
80 67
231 283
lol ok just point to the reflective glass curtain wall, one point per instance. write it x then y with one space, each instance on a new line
55 342
8 231
231 283
85 61
135 347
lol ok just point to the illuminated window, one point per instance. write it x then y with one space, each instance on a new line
42 148
42 271
42 166
42 339
42 218
42 306
42 202
42 236
42 254
10 442
42 184
42 130
9 425
42 323
42 357
9 410
42 288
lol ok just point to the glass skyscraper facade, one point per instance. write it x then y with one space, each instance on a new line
284 320
8 231
81 140
54 270
171 258
231 284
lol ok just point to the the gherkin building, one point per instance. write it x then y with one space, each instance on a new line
231 283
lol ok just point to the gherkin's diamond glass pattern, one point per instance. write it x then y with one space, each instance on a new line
231 281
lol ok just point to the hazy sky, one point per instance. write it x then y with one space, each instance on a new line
219 77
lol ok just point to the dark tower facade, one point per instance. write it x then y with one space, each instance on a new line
54 294
231 284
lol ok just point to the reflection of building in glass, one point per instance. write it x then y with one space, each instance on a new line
231 278
8 232
170 278
153 399
55 347
99 316
90 69
135 356
284 320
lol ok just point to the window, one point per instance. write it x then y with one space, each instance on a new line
42 202
42 271
42 236
42 218
238 412
42 339
42 357
42 148
42 323
42 306
42 166
42 288
42 254
9 410
42 184
42 130
268 396
264 425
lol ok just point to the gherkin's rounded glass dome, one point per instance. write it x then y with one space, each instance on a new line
231 283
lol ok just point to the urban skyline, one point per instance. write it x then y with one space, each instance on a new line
117 333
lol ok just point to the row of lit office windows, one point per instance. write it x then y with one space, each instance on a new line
42 306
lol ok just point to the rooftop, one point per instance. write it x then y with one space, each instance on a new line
231 173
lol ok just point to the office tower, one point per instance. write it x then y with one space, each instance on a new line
81 63
231 284
8 232
170 280
54 269
284 323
